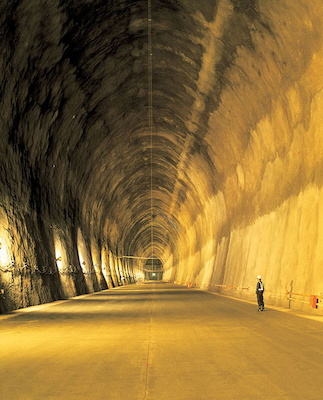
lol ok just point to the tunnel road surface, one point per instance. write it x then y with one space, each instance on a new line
158 341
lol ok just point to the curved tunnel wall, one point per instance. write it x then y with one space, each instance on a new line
265 141
183 131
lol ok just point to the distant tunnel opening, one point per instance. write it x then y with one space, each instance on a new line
153 270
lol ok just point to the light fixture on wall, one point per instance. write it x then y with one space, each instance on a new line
59 258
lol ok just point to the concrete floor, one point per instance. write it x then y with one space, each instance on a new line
159 341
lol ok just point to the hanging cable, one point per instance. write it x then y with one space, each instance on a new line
139 258
150 118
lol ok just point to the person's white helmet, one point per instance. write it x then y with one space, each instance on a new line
258 277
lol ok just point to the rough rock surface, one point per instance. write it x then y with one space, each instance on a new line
190 131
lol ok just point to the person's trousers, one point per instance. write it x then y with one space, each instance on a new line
260 299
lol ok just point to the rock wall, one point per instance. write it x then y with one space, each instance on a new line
40 262
267 215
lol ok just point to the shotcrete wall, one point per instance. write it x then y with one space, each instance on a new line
40 262
267 216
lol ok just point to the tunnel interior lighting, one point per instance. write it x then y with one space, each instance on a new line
83 253
97 268
4 253
60 250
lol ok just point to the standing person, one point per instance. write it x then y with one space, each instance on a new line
260 294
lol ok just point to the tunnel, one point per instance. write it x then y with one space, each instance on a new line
156 158
184 131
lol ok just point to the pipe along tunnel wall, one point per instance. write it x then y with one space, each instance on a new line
183 131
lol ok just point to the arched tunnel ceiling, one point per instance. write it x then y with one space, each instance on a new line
132 109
